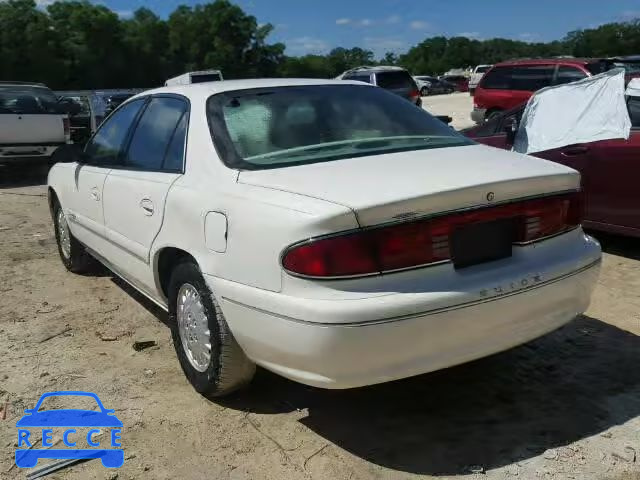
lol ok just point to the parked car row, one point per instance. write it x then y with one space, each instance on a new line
33 122
610 169
509 84
93 106
432 85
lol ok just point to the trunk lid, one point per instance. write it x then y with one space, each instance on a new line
404 185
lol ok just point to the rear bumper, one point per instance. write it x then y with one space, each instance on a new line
26 153
351 343
478 114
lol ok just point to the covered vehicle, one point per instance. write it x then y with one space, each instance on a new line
592 126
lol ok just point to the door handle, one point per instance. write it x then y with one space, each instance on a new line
147 206
95 194
575 151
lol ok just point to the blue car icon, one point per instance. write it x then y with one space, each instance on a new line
68 419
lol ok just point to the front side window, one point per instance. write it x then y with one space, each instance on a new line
154 132
105 147
568 74
276 127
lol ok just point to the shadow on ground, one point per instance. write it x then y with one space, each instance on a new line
492 412
627 247
15 175
573 383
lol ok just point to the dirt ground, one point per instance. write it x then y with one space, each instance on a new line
566 406
457 105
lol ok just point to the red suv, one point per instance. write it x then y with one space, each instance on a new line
512 83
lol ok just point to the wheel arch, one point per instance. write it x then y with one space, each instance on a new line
52 199
164 261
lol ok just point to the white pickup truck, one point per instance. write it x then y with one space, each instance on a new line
476 76
33 123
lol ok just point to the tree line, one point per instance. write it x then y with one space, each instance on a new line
77 44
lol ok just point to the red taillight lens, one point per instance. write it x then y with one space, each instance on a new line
414 93
424 242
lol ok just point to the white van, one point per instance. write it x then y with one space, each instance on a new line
195 77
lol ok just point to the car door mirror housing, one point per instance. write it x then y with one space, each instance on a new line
69 153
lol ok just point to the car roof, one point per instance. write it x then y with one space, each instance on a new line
212 88
547 61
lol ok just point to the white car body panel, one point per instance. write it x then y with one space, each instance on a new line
338 333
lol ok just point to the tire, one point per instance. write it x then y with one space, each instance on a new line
424 92
228 368
72 253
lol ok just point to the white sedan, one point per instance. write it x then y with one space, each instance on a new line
329 231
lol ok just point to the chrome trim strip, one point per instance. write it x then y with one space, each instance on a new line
410 220
420 314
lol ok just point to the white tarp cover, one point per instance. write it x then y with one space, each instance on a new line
580 112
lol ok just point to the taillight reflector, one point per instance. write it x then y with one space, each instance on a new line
423 242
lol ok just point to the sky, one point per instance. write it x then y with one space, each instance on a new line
316 26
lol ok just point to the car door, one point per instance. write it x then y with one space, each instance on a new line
84 203
615 181
135 192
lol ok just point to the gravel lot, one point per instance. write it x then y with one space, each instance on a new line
566 406
457 105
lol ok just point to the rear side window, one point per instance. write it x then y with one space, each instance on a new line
524 78
104 148
568 74
154 132
359 78
393 80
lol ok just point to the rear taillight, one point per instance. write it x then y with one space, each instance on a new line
424 242
66 124
414 93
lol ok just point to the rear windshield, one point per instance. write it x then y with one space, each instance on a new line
205 77
283 126
27 100
395 80
526 78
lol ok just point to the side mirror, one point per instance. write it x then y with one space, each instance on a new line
68 153
511 129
